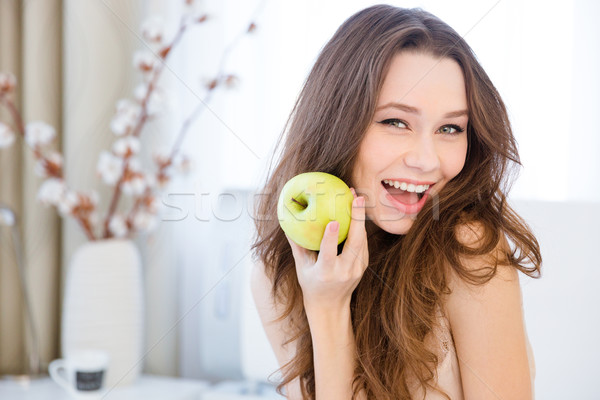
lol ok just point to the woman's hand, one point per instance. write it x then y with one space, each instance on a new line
328 280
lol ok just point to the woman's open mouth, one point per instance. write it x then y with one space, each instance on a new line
408 198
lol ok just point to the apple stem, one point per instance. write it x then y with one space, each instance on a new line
296 201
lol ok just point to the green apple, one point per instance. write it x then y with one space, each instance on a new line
308 202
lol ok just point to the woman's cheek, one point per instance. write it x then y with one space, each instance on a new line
455 160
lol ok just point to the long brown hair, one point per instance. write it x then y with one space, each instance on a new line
394 306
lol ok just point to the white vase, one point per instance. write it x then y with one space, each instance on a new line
103 306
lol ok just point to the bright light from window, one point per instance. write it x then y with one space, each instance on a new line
531 59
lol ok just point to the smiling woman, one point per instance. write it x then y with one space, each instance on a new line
423 292
412 146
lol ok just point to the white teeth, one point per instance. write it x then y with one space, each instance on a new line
410 187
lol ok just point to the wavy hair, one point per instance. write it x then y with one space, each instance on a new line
394 306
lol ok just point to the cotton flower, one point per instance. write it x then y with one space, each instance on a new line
209 83
151 204
134 166
127 106
68 202
155 101
144 221
162 179
153 30
182 163
126 147
126 117
140 92
150 181
134 185
193 11
8 82
161 156
117 226
7 137
38 133
51 191
110 168
87 202
232 81
145 61
45 166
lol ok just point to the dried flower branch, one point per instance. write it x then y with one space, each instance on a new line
119 167
38 135
162 175
148 65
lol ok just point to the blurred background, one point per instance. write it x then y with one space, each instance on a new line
73 58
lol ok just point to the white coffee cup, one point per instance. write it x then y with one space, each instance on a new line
82 373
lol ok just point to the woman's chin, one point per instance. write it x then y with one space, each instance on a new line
394 224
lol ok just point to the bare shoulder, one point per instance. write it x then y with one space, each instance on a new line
487 325
505 281
471 235
270 312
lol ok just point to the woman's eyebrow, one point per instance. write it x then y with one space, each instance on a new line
413 110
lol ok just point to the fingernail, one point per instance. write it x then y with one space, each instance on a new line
361 202
334 226
353 192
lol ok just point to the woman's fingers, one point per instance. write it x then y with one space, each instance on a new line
354 247
329 243
327 278
357 235
297 251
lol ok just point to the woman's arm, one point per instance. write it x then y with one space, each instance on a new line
488 330
327 281
333 342
269 311
334 353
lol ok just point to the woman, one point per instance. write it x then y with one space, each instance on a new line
422 300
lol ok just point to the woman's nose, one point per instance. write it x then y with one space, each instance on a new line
422 155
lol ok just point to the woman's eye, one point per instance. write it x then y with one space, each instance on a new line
451 129
394 122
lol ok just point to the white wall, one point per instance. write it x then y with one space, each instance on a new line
561 308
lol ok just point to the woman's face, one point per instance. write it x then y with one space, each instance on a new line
416 141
